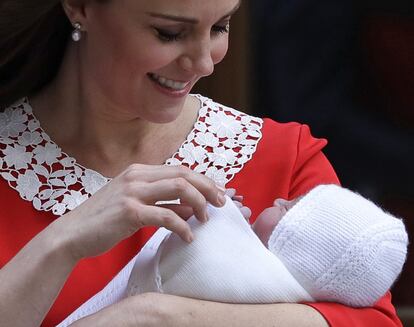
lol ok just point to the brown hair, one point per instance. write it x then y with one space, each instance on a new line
33 38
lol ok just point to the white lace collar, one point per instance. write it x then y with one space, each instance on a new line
221 142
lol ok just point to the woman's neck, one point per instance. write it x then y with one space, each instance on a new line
86 126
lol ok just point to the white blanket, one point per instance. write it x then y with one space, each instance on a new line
226 263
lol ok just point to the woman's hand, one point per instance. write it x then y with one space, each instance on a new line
128 203
114 213
238 200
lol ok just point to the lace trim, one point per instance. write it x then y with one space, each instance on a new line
221 142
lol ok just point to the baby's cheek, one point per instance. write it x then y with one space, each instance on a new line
266 223
272 215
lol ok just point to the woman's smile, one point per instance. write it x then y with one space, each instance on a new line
170 87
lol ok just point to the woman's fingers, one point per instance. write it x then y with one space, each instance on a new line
203 184
238 204
231 192
171 189
184 211
130 201
238 198
149 215
238 201
246 212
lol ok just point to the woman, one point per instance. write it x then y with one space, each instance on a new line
121 88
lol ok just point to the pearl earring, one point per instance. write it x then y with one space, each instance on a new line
77 33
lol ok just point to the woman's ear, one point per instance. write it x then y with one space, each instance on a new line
75 10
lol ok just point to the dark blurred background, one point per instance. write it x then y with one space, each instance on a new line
346 69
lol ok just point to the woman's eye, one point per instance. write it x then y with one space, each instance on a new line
221 29
167 36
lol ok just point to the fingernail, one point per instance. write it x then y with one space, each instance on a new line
238 198
230 192
190 238
221 199
205 216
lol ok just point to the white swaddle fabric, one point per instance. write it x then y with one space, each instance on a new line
226 262
340 246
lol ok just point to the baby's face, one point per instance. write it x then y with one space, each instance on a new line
283 206
270 217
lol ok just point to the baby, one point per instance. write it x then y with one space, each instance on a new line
329 245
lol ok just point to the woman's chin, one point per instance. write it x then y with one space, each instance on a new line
165 115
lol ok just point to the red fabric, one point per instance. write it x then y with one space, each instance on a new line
287 163
20 222
381 315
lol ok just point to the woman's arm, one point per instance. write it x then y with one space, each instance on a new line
31 281
153 310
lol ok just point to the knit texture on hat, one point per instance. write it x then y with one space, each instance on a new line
340 246
226 262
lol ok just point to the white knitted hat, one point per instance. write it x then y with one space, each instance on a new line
226 262
340 246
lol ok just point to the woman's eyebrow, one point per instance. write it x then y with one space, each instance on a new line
189 19
174 18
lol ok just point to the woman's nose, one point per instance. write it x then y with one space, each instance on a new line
198 59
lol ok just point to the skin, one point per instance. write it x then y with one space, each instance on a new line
154 309
104 95
103 92
270 217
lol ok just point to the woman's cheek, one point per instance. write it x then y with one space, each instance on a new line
220 50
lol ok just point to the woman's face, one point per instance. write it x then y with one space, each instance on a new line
145 56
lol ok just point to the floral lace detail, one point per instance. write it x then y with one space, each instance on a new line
221 142
37 168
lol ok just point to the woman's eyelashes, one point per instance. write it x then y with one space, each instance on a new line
166 35
221 29
169 36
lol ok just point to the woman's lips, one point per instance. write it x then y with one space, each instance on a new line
171 88
169 83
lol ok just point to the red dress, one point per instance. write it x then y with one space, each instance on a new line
287 163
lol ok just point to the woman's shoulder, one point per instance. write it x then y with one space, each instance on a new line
269 127
209 107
